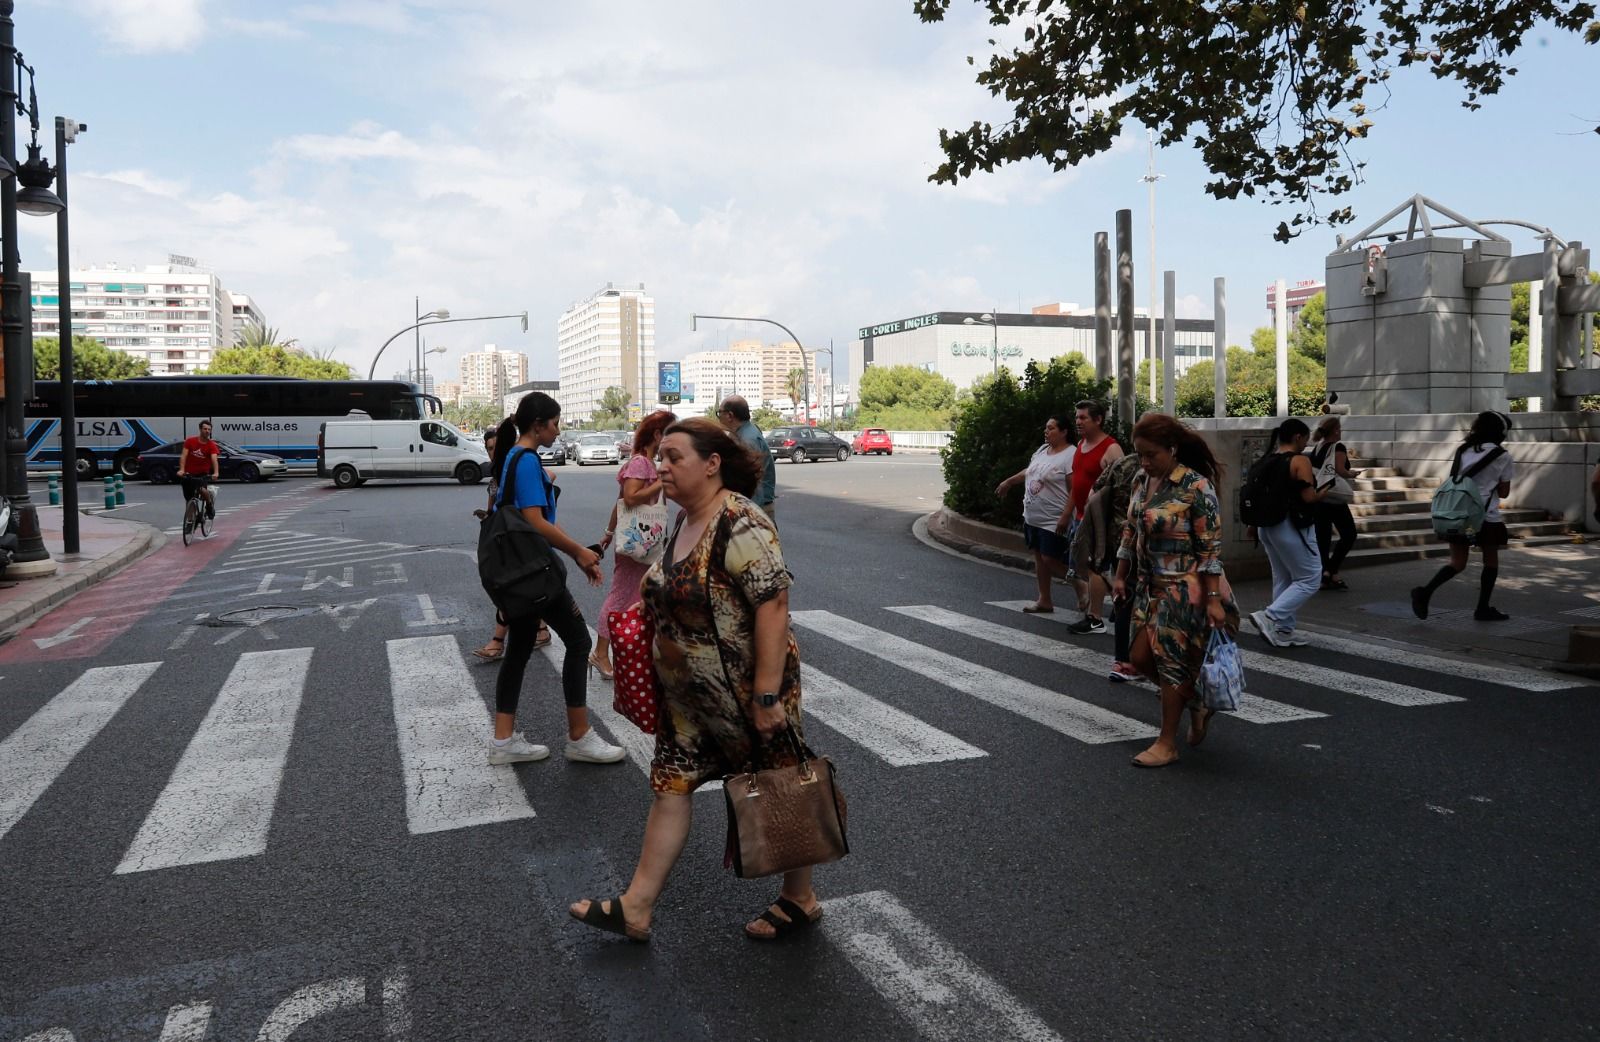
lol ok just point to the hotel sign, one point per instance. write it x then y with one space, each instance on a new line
903 326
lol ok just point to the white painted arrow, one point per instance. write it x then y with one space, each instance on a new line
430 614
70 633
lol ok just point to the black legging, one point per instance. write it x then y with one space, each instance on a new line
1329 517
563 617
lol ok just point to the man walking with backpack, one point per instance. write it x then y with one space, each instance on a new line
1276 501
1466 512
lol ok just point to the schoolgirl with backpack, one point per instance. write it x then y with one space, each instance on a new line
1466 512
1277 501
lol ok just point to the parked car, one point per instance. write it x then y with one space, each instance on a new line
160 464
352 451
624 441
598 447
553 454
874 440
568 443
800 444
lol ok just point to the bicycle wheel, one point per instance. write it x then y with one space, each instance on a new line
205 522
190 514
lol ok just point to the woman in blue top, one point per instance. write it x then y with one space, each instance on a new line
538 418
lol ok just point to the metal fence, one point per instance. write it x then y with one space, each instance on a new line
914 440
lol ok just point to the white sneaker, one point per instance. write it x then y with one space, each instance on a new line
1293 639
1267 628
591 748
517 750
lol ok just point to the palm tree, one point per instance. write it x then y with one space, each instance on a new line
258 334
795 386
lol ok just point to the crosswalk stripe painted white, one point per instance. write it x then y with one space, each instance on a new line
35 754
334 555
1522 679
444 732
940 992
1252 708
1074 718
218 804
1320 676
894 736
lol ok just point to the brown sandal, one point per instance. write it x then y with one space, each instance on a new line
492 651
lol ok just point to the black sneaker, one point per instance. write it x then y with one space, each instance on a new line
1490 615
1087 624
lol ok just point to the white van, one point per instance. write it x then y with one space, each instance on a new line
351 451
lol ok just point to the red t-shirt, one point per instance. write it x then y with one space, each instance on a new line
1085 470
197 455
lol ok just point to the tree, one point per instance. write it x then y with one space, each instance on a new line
473 416
274 360
1273 95
794 385
612 413
766 418
1310 334
91 360
907 398
257 334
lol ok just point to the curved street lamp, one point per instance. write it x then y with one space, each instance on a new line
439 322
994 323
804 365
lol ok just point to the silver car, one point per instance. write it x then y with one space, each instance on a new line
598 448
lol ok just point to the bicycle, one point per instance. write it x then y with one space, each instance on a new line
195 515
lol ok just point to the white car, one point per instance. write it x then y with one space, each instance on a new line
598 448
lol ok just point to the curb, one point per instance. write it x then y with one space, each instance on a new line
936 529
53 592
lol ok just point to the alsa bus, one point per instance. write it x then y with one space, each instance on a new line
118 419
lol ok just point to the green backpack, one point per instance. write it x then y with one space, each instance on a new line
1459 506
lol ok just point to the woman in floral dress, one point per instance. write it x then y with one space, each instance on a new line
726 663
1174 536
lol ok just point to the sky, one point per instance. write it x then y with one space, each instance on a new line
339 159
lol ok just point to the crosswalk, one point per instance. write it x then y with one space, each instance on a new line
219 801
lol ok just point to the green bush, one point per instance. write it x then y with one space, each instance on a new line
998 429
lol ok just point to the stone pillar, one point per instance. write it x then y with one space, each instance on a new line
1490 327
1219 346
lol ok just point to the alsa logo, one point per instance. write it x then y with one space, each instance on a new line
101 428
246 428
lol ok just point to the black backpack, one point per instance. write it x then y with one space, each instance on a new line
520 571
1264 496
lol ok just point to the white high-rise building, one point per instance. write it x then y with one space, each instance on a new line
607 340
245 314
171 315
713 375
487 375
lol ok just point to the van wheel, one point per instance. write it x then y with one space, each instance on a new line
469 474
345 476
88 466
127 464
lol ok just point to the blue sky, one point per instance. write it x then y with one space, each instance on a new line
336 158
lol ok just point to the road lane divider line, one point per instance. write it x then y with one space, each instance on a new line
1252 708
218 804
894 736
1064 714
444 730
1467 669
943 995
35 754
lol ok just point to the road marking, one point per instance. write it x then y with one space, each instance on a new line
64 635
430 615
309 1003
186 1023
337 612
1069 716
266 583
444 732
1522 679
347 580
397 573
35 754
942 994
892 735
365 553
1251 708
218 804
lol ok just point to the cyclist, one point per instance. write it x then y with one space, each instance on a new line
198 466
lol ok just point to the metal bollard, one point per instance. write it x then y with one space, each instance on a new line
54 482
122 497
111 494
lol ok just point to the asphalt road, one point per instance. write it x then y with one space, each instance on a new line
232 807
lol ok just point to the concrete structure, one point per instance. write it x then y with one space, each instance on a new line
712 375
488 375
1296 297
942 343
515 394
607 340
172 316
245 314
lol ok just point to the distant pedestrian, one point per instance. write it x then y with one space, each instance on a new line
498 449
1095 451
1285 480
538 421
734 415
1094 547
1331 516
1174 538
1046 507
1494 476
727 665
638 484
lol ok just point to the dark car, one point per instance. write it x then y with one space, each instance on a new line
553 454
160 464
802 444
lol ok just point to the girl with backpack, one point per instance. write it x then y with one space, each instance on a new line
1331 516
1483 460
1281 489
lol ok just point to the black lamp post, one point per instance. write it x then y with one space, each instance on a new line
67 131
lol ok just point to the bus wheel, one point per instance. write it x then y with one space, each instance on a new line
128 464
469 474
88 466
345 477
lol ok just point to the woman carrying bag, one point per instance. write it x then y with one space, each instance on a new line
1331 462
727 667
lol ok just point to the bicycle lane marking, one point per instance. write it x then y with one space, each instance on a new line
84 625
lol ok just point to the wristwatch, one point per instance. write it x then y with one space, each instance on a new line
767 699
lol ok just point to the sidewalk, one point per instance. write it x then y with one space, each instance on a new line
106 546
1551 592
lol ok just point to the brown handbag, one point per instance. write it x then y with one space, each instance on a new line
785 818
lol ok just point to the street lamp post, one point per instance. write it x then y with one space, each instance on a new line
426 351
419 317
816 351
993 323
434 322
67 131
804 365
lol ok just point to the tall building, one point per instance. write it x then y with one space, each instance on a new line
449 392
713 375
1298 293
607 340
245 314
410 377
487 375
777 360
172 316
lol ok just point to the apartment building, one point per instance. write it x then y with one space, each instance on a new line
607 340
245 314
777 360
487 375
711 376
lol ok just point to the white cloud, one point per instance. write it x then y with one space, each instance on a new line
149 25
264 28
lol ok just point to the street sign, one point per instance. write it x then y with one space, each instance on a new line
669 382
635 412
